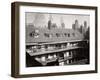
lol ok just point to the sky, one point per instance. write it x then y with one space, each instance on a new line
41 19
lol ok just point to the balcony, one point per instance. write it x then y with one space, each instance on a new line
54 47
51 51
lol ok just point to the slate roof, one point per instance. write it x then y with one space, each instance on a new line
73 35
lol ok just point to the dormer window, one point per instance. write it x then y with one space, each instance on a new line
57 34
65 34
34 34
68 35
48 35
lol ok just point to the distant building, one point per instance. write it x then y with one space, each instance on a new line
81 29
76 25
85 26
62 23
73 26
50 22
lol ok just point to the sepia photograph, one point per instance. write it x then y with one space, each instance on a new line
53 39
56 39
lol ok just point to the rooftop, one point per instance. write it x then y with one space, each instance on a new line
36 35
